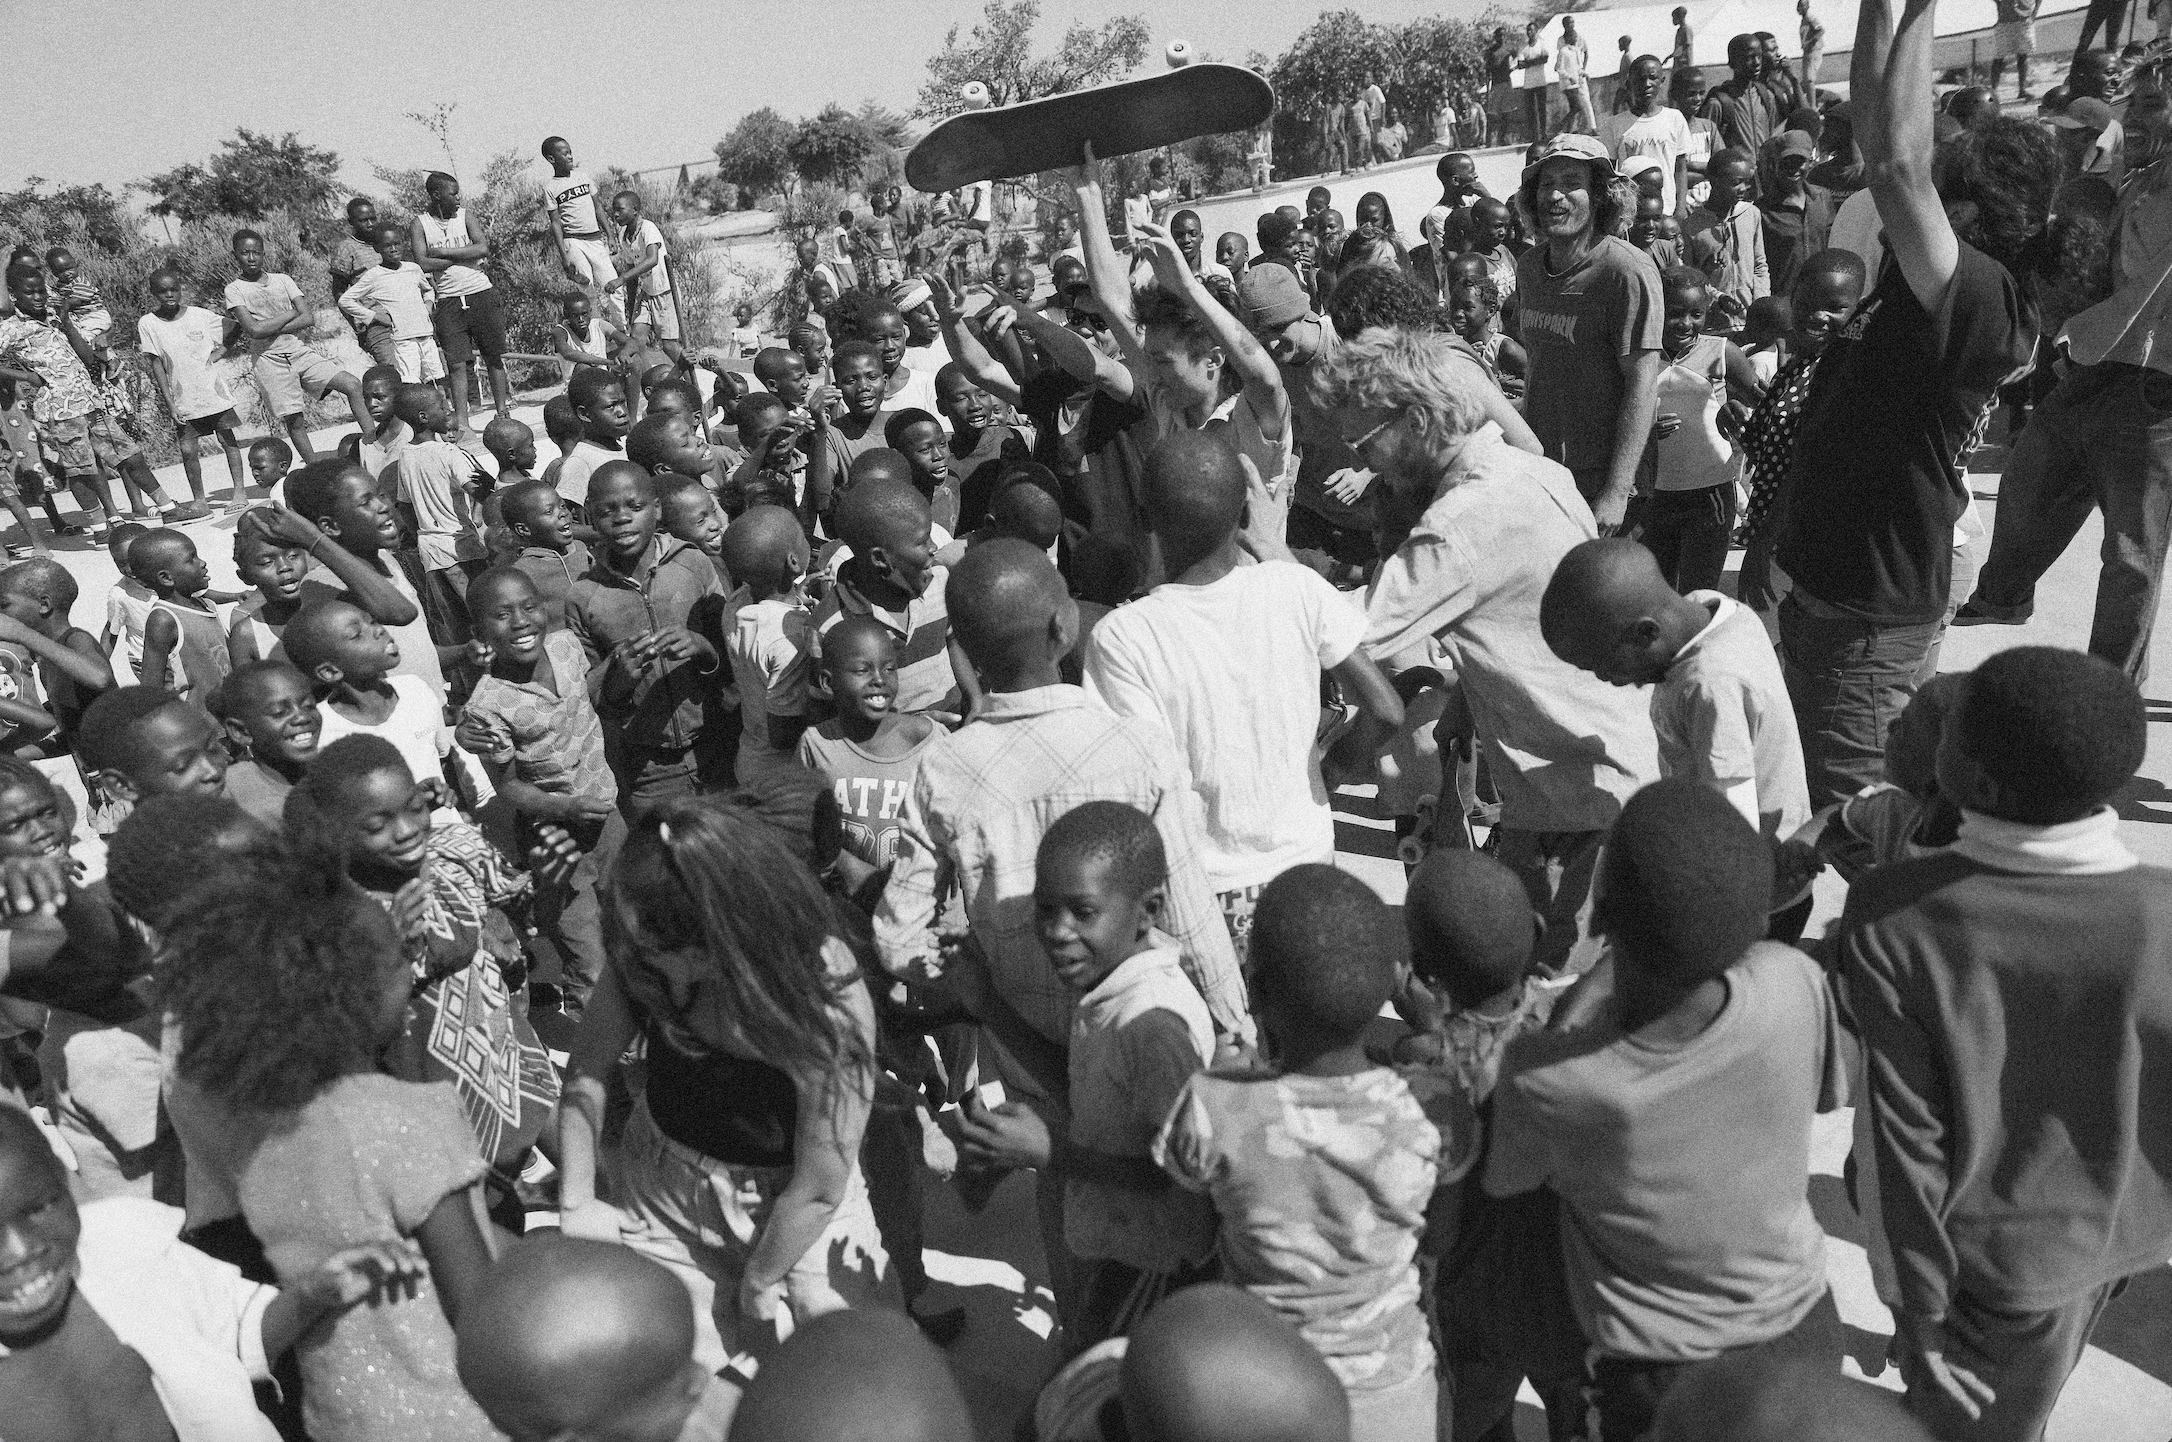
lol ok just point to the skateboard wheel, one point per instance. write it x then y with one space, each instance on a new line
975 95
1178 54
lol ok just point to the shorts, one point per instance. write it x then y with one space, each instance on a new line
292 379
470 323
417 360
211 425
81 444
2011 38
376 338
659 314
591 255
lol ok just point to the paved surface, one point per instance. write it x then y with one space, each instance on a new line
990 1263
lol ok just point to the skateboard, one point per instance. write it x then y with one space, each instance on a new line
1119 118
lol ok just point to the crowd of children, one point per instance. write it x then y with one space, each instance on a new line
907 761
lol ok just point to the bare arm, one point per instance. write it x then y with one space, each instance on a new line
651 257
161 633
1070 352
456 1243
966 349
607 1029
1108 279
418 242
372 590
1742 382
1632 427
1890 86
1255 368
1380 716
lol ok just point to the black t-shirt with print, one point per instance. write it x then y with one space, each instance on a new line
1899 400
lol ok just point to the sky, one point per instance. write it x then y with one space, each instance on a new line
113 90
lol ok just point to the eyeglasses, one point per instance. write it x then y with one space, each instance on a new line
1365 440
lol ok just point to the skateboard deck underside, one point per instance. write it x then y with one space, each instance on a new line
1120 119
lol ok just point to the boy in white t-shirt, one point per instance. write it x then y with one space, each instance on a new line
1227 657
768 636
577 218
178 344
395 293
1651 127
265 309
652 310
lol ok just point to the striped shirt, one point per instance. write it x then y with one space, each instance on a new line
925 681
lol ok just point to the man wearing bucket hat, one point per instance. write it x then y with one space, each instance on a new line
1589 317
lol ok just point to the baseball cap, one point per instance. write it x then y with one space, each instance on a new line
1573 147
1271 297
2084 112
1793 142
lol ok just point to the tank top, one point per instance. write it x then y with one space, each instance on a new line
250 615
595 342
739 1112
447 234
201 652
1694 388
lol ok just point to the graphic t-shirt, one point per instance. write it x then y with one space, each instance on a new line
637 239
870 789
1899 400
1575 328
572 195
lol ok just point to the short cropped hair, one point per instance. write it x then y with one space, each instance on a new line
1471 925
1325 949
101 737
1685 882
903 421
589 383
1124 836
272 446
2058 731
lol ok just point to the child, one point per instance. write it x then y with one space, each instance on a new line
981 444
1688 521
349 661
128 603
648 607
770 636
286 984
1657 233
538 522
266 311
1499 1303
671 440
1719 705
437 481
349 513
2009 992
184 644
1725 236
383 450
570 1339
272 723
273 551
137 741
1229 658
599 404
1672 1108
652 311
1493 235
269 461
582 339
178 344
891 575
1682 56
1320 1169
691 515
531 720
40 343
777 469
360 797
111 1292
512 445
395 294
1907 815
37 602
563 428
1139 1034
22 470
84 302
919 438
860 1373
1474 304
867 750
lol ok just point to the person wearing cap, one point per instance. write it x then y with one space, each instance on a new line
1798 216
1739 106
1876 486
1332 513
1652 129
1589 314
2088 136
2103 437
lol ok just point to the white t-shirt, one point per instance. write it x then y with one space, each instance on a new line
1723 718
1231 670
637 241
187 343
578 465
572 195
768 645
1664 137
416 726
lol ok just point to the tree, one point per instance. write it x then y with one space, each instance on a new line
1329 62
1430 57
77 215
251 176
754 156
999 54
830 147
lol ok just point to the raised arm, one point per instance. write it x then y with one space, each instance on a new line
966 349
1262 378
1890 86
1109 279
372 590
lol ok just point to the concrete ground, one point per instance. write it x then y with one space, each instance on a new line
990 1263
